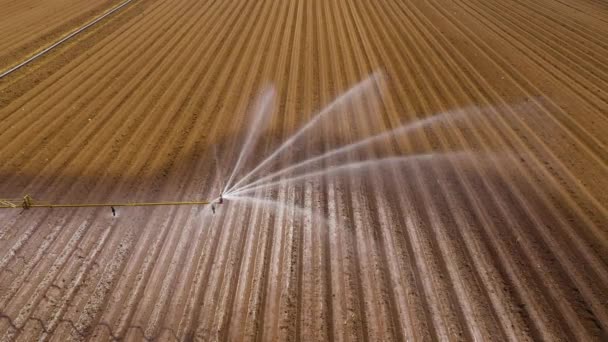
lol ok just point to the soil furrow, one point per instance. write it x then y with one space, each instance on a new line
482 218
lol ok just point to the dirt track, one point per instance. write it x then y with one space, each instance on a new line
511 244
27 26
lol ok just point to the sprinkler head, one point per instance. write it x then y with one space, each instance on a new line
221 199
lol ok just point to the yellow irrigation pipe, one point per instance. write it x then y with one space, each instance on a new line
143 204
28 203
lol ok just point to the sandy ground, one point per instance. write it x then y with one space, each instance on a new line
507 240
30 25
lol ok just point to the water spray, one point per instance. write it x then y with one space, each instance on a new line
356 166
340 100
262 110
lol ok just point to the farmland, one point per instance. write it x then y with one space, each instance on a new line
28 25
487 219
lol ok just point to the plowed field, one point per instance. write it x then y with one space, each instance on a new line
28 25
503 236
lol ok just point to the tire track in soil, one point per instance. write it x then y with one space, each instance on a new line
26 234
168 145
116 237
32 283
29 232
186 322
24 312
422 256
96 301
25 271
68 296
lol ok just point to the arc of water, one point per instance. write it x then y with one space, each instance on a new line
264 201
356 89
356 145
358 166
262 114
326 155
452 115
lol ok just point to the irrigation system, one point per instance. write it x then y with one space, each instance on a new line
27 202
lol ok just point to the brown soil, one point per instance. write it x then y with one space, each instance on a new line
509 245
30 25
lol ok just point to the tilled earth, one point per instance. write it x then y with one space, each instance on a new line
500 234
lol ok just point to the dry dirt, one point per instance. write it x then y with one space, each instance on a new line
509 245
29 25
